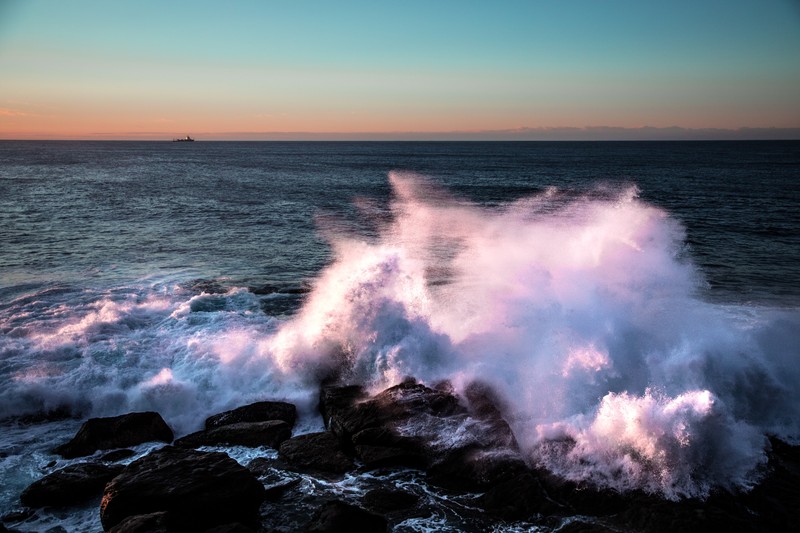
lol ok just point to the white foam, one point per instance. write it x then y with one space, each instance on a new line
582 312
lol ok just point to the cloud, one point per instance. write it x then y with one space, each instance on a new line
6 112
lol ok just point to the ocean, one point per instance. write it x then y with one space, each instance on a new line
625 295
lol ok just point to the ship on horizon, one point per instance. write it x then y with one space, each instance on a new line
186 139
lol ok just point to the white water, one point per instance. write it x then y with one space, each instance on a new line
582 312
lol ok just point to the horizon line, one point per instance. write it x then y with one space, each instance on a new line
564 133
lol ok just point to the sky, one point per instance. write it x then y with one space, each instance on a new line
99 69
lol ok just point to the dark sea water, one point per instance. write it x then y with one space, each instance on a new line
189 278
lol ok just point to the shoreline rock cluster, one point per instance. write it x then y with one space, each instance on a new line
460 445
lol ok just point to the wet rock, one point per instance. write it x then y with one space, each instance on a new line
263 289
117 455
517 498
208 286
379 447
148 523
416 426
485 405
253 434
70 485
337 516
346 411
316 452
470 469
773 505
198 490
255 412
581 526
384 456
384 501
116 432
777 498
234 527
18 515
335 404
276 492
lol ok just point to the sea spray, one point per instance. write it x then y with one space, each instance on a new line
582 310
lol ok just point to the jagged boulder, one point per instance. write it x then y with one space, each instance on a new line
316 452
337 516
147 523
485 405
253 434
347 410
255 412
70 485
472 468
379 447
389 500
462 446
116 432
517 498
197 490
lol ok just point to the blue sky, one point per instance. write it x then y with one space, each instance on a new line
147 69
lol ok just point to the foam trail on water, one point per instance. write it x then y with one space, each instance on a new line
583 312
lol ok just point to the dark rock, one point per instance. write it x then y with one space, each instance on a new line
263 289
485 405
147 523
276 492
234 527
253 434
296 290
410 398
684 516
380 446
773 505
777 498
517 498
208 286
71 485
410 425
266 467
388 501
469 469
117 455
385 456
346 412
18 516
337 516
336 401
580 526
198 489
316 452
256 412
116 432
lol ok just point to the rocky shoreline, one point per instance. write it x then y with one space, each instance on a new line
459 446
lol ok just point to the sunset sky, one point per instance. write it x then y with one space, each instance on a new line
411 69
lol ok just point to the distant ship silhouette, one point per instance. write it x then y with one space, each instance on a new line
186 139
